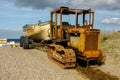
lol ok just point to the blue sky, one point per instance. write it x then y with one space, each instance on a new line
16 13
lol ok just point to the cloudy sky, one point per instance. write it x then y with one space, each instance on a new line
16 13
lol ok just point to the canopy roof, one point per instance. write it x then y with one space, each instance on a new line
66 10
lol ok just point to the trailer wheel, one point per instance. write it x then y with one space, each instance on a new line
21 41
26 42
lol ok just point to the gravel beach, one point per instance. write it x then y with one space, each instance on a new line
32 64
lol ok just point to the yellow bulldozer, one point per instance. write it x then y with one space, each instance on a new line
73 39
70 38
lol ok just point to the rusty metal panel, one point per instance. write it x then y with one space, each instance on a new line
91 42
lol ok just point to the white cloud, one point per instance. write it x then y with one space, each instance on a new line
37 4
96 4
113 20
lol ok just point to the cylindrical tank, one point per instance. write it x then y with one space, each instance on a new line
38 31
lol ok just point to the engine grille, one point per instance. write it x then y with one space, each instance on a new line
91 42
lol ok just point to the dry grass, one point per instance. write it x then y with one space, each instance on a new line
110 46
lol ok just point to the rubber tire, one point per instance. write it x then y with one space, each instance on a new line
21 41
26 42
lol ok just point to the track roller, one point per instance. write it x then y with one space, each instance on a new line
65 58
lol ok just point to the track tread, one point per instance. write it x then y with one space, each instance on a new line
69 61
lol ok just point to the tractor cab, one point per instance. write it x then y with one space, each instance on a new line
65 21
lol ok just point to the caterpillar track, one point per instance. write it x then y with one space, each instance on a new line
65 58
